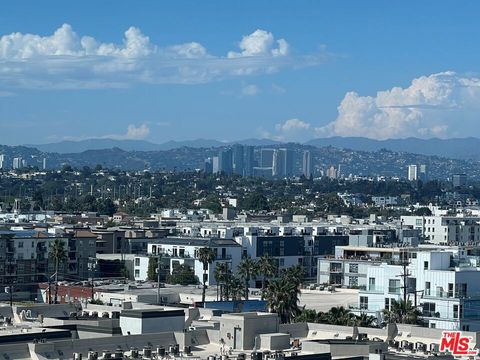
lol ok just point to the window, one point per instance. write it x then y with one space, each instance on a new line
137 273
353 281
371 284
354 268
450 290
455 311
363 302
387 303
428 309
137 261
425 265
20 244
433 326
394 286
427 288
281 262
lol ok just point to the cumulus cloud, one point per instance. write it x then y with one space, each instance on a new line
67 60
261 43
439 105
294 130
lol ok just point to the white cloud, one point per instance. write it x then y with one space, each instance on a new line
440 105
260 43
67 60
250 90
133 133
294 130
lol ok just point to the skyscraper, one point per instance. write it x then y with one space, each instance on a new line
249 161
283 163
225 160
307 164
17 163
215 165
44 164
208 166
266 158
238 159
412 173
3 163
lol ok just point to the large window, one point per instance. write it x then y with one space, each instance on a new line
428 309
394 286
363 302
371 284
353 268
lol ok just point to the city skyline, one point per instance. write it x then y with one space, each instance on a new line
291 72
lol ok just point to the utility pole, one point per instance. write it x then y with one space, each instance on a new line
405 274
159 260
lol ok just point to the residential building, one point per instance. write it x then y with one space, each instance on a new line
445 229
307 164
184 250
459 180
412 173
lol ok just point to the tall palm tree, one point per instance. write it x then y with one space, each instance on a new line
247 269
282 298
58 254
402 312
222 276
296 274
206 256
267 267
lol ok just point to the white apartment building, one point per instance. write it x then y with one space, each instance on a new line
184 250
446 293
445 229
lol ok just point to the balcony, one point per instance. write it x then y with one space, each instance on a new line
224 257
373 290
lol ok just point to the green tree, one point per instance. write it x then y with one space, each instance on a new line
268 268
402 312
255 201
247 269
58 254
182 275
206 256
152 268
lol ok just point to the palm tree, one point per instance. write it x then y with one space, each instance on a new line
235 287
267 267
307 315
282 298
295 274
206 256
340 316
365 320
402 312
222 276
247 269
58 254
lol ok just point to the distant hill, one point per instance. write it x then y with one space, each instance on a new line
450 148
70 147
65 147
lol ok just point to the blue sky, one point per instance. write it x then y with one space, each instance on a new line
286 70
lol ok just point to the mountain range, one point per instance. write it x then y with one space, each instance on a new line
455 148
69 147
